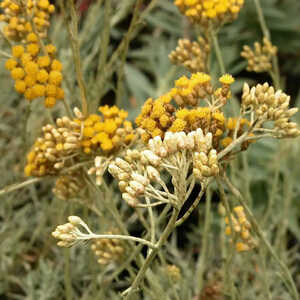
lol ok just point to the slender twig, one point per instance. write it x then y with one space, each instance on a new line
117 236
16 186
168 230
5 54
200 267
193 206
72 26
218 52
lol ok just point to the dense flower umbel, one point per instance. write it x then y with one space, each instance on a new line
205 11
70 138
49 152
36 72
260 58
18 16
266 104
175 153
69 186
191 55
36 75
160 115
109 132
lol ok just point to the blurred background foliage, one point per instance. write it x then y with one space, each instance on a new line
32 267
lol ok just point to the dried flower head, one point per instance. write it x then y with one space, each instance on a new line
259 59
108 250
69 186
191 55
266 104
50 152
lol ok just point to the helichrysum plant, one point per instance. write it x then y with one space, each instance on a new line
180 146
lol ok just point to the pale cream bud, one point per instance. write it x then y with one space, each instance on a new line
139 178
75 220
129 199
152 173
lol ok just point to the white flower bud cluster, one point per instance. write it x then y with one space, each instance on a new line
205 165
100 166
271 105
108 250
68 233
131 183
194 141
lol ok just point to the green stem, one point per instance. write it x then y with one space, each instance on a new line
16 186
215 40
72 26
202 258
118 236
193 206
168 230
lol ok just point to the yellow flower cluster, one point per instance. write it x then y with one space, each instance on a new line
17 17
241 228
36 75
68 138
201 117
159 116
108 132
36 71
205 11
190 90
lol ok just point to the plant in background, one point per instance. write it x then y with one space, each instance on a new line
182 147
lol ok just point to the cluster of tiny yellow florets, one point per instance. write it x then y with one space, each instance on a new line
190 90
33 66
204 11
18 23
159 116
23 15
36 75
241 227
108 132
